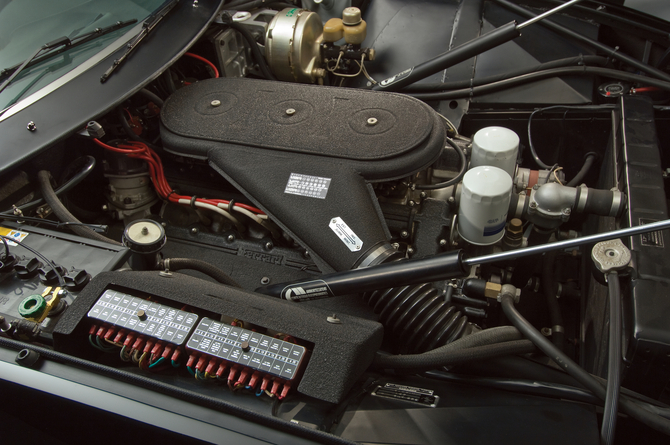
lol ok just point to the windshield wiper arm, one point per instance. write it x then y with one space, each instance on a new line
47 46
147 27
64 42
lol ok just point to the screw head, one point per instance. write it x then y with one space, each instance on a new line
396 246
567 211
231 238
31 126
546 332
443 242
290 111
532 205
410 250
194 230
215 103
411 203
265 280
105 208
269 245
372 121
451 200
404 234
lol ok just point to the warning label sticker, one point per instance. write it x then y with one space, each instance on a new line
13 234
652 239
306 185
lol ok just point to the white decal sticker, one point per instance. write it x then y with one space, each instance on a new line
306 185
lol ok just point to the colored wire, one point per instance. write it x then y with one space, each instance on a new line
174 364
140 150
124 356
190 371
202 59
157 362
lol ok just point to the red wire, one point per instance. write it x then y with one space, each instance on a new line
644 89
140 150
202 59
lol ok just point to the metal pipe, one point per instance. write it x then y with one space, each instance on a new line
424 270
462 52
546 14
566 244
611 52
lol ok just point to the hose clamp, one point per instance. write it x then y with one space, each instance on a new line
583 196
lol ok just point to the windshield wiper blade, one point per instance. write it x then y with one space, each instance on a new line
47 46
63 43
147 27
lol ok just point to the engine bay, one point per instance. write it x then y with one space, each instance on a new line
368 221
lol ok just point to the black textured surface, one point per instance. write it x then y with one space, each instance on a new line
327 121
243 140
341 351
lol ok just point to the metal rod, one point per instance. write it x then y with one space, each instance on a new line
566 244
546 14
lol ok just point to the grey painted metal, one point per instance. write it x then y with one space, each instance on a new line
546 14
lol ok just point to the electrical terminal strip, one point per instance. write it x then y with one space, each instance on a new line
244 358
140 327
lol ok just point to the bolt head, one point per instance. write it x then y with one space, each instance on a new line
532 205
231 238
396 246
567 211
404 234
265 280
269 245
451 200
31 126
443 242
194 230
411 203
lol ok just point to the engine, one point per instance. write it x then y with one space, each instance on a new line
355 207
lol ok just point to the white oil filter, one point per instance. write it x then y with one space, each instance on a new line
485 198
497 147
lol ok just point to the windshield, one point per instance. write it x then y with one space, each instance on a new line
26 25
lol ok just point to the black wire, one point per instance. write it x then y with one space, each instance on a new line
628 406
51 264
537 159
455 180
539 75
100 228
614 360
467 83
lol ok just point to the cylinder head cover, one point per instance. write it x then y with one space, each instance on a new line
497 147
485 200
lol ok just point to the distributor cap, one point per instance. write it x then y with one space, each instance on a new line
144 236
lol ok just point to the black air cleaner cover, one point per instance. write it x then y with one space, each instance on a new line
305 154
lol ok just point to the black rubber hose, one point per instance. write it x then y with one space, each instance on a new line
612 52
63 214
588 163
523 386
550 289
452 181
568 365
262 64
151 96
532 77
613 360
201 266
599 202
126 126
580 60
441 356
453 357
179 393
69 185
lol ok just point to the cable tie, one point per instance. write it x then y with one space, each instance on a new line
170 194
192 203
231 204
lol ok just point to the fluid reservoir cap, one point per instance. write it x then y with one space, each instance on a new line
497 147
351 16
144 236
